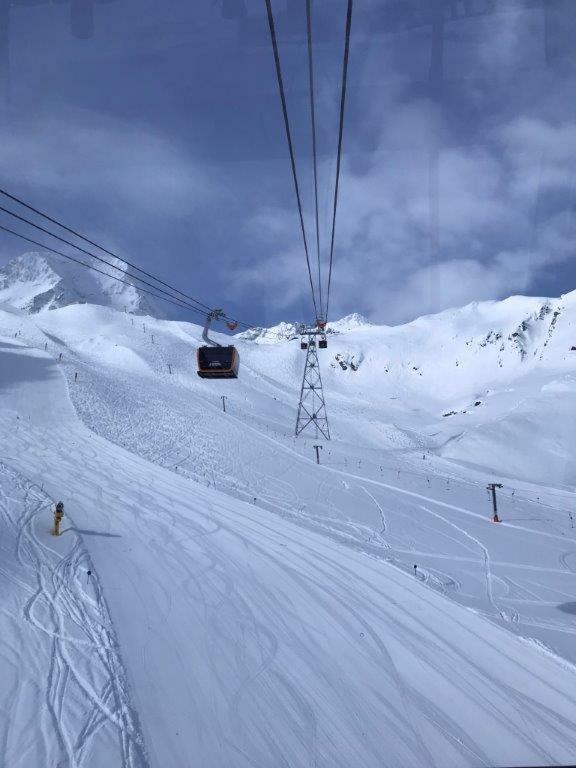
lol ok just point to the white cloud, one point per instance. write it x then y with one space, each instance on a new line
541 155
94 157
506 37
276 276
455 283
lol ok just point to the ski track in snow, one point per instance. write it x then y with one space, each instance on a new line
85 689
485 559
382 531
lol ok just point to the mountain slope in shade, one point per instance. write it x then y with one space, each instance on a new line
36 282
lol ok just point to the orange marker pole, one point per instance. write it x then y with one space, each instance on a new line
58 515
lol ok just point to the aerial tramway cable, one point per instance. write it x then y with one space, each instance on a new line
289 139
174 300
96 245
313 119
321 311
92 255
185 302
340 134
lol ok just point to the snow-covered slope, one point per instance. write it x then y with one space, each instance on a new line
248 607
39 281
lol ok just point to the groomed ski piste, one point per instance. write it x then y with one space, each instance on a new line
217 599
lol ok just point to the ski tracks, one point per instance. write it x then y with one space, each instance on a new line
513 616
383 522
85 692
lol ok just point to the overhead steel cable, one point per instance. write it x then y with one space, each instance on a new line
313 116
174 300
205 307
166 297
289 139
94 256
96 245
340 134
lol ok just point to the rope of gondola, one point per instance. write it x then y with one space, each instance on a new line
339 154
96 245
202 308
94 256
183 302
205 307
313 116
173 300
289 139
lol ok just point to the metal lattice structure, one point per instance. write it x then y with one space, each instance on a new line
312 407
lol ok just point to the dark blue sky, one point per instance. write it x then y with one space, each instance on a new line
161 135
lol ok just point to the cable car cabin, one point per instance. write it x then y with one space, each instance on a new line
218 362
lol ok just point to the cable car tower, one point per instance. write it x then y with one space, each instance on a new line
312 406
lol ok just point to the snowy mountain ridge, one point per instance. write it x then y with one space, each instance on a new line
289 331
495 333
36 282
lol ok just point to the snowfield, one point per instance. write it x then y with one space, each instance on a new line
218 599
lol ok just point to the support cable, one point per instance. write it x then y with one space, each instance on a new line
340 133
184 302
313 116
174 300
289 139
93 255
96 245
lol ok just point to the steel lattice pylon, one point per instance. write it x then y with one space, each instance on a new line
312 408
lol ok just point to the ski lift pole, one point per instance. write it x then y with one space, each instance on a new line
492 488
223 397
318 449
